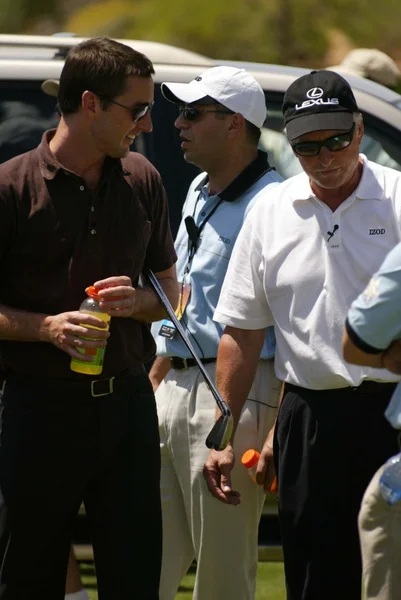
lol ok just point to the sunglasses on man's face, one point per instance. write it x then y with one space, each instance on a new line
137 112
190 113
333 144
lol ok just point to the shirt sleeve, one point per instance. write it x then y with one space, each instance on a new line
374 319
160 253
242 301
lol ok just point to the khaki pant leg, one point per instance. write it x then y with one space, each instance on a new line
226 537
178 550
380 535
222 538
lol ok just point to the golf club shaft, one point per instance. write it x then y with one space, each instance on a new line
172 316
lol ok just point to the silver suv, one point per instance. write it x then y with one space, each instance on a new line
25 111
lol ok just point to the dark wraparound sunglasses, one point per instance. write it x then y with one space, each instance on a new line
334 144
190 113
137 112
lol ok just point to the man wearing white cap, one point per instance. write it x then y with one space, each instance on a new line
221 114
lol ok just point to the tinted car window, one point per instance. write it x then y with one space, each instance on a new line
25 113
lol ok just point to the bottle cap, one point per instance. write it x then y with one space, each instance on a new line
92 291
250 458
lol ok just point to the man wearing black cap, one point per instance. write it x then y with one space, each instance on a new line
300 260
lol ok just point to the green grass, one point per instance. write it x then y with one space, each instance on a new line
269 585
270 582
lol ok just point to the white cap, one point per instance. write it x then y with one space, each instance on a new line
233 88
50 87
372 64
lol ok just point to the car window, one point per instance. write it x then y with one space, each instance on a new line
25 113
381 143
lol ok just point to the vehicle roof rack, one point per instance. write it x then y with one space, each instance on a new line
60 44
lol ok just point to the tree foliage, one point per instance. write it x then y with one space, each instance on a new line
17 15
279 31
369 23
250 30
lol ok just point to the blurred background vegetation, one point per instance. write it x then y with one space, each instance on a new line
311 33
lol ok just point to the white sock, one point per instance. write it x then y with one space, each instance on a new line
81 595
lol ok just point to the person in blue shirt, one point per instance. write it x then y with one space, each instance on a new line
221 114
372 337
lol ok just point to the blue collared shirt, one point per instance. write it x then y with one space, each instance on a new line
374 319
207 270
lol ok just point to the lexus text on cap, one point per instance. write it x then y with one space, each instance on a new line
234 88
318 101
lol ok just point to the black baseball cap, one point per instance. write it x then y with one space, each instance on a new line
317 101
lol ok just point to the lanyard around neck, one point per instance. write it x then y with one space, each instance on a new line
194 231
259 168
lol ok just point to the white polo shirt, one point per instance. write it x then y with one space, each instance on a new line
298 265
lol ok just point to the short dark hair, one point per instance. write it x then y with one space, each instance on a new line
100 65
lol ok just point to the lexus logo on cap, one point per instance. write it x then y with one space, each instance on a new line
314 99
314 93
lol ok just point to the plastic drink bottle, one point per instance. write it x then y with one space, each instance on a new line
250 459
91 306
390 480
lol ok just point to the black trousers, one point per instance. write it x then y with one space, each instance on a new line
328 445
60 446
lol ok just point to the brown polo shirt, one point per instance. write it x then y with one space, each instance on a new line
57 237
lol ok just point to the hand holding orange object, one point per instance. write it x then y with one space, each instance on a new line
250 459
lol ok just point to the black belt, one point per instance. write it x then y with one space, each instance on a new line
182 364
88 387
374 387
366 387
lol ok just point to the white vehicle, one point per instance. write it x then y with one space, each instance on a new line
25 112
26 61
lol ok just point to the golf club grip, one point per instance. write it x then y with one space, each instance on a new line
170 311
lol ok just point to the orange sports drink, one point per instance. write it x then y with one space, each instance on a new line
91 306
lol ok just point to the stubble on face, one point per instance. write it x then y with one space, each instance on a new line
204 142
115 131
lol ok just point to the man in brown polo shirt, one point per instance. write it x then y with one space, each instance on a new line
82 210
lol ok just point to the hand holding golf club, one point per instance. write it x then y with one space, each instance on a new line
220 434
